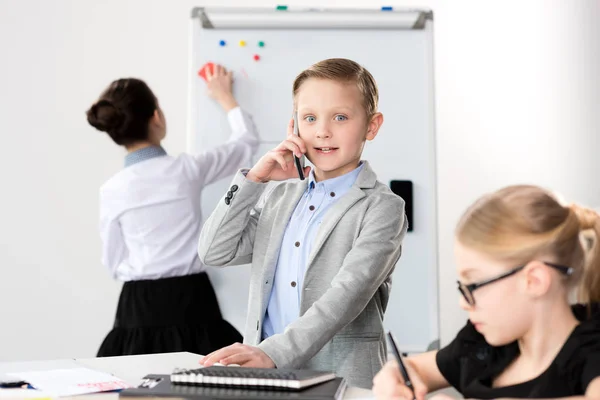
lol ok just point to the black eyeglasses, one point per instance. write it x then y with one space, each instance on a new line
467 290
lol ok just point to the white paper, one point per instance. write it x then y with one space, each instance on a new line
71 381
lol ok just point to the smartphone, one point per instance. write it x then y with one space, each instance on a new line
404 189
298 161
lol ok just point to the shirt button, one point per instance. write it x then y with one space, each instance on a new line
234 188
293 284
311 208
297 244
332 194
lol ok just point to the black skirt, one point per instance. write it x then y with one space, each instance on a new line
168 315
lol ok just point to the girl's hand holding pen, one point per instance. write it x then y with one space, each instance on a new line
389 384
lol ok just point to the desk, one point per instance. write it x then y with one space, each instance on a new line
132 368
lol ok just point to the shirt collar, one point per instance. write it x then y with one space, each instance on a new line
334 184
144 154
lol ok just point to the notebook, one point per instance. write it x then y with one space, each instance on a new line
161 386
288 379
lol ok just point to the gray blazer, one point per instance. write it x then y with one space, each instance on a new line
348 276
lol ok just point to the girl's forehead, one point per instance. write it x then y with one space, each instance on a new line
472 263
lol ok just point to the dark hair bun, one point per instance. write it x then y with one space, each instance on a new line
105 117
124 111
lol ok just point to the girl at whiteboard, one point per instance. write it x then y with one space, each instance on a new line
519 254
150 221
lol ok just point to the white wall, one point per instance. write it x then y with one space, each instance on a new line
516 91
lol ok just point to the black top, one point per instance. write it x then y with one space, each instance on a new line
470 364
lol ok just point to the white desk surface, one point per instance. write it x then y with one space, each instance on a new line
132 369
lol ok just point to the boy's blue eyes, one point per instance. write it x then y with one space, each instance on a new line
311 118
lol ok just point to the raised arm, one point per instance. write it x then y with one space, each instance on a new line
224 160
227 237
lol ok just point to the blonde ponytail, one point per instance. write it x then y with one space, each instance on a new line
589 222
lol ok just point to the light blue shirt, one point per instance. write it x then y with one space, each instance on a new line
299 237
144 154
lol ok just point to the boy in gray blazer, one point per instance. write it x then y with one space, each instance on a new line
322 249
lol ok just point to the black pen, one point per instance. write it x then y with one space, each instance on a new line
10 384
401 365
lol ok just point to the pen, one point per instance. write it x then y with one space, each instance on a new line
401 365
12 384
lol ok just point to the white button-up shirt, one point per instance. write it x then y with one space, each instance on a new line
150 216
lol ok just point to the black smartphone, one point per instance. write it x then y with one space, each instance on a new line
404 189
298 161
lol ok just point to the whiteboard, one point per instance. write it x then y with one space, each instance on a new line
396 46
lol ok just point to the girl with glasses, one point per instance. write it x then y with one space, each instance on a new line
521 256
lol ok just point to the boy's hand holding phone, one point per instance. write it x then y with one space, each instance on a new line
278 164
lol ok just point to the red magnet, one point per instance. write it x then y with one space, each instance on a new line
202 71
256 57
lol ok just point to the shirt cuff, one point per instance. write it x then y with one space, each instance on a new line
236 120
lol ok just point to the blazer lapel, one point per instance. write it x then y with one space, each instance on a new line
331 219
365 180
290 199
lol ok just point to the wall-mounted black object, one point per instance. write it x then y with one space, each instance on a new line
404 189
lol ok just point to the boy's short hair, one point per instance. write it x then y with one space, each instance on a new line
343 70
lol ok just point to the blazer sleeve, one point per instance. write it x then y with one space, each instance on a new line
364 269
227 237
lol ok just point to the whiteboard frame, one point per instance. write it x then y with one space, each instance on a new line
422 20
311 18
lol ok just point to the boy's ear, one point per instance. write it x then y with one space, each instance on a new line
374 125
